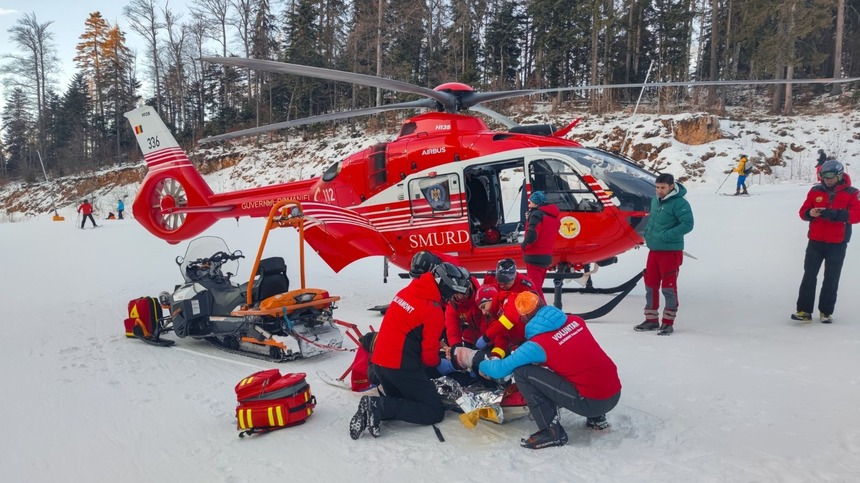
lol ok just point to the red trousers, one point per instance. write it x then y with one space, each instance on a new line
537 275
661 275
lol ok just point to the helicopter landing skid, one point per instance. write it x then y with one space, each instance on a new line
621 291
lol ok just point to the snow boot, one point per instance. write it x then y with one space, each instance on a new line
826 318
374 415
801 315
646 326
737 191
358 423
745 192
666 329
552 435
598 422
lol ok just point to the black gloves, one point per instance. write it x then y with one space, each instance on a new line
830 214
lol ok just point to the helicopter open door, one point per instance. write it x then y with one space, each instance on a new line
496 201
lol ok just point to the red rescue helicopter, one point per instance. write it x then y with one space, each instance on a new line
446 183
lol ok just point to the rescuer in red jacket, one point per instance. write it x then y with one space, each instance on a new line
831 207
542 224
406 346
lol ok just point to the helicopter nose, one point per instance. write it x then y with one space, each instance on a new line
638 222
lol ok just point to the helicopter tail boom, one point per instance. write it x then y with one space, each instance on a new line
173 202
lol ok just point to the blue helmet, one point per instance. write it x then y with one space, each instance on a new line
538 198
832 169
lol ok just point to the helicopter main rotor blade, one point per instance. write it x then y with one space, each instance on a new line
449 101
694 84
471 99
423 103
506 121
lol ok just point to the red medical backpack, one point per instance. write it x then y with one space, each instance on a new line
270 401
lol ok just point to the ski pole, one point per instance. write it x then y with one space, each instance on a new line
724 182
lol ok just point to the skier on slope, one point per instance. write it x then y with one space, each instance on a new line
86 209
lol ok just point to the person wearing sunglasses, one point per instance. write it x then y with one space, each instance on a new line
831 207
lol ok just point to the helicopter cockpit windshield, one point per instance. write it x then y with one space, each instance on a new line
631 185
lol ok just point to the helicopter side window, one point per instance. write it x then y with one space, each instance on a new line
562 185
332 172
431 197
481 200
630 186
376 166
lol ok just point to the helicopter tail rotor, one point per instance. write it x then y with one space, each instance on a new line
173 200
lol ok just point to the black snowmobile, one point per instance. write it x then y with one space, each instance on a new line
267 321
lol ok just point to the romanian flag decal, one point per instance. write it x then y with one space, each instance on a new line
138 129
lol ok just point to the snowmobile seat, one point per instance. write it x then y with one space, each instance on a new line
272 278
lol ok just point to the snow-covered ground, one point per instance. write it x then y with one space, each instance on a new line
739 393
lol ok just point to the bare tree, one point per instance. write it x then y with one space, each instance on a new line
175 76
197 33
379 12
837 50
243 22
715 38
214 14
31 71
143 19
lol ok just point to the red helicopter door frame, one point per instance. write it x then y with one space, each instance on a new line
438 218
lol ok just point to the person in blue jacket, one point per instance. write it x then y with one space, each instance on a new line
120 207
559 365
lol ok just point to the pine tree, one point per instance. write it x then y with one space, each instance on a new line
120 89
89 58
302 47
73 124
264 45
17 123
502 41
463 39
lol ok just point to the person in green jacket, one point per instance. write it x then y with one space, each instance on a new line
669 220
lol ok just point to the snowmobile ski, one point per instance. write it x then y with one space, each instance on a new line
158 342
155 340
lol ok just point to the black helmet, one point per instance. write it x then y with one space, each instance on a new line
831 169
451 280
86 200
506 271
422 263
